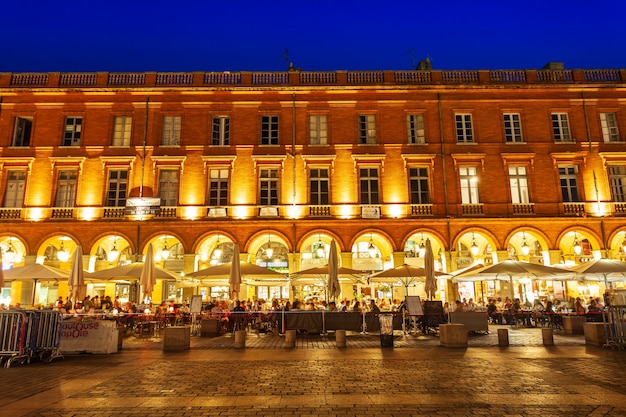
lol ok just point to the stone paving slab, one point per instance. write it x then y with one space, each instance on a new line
416 378
517 337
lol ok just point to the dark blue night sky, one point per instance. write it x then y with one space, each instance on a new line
138 35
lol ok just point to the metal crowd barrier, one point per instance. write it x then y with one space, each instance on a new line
44 334
615 327
13 337
29 334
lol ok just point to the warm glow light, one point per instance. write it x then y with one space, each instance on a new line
577 246
192 212
87 213
395 210
35 214
474 248
240 212
62 254
9 254
293 212
345 211
113 253
525 247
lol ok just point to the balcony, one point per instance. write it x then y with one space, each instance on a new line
62 213
421 209
473 209
574 209
619 208
523 209
10 213
319 211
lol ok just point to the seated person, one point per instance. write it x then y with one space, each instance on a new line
494 314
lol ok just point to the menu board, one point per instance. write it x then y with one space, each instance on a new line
196 304
414 305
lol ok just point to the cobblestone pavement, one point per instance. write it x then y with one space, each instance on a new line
417 377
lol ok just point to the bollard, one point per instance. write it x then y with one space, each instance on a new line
340 338
240 339
503 337
290 338
548 336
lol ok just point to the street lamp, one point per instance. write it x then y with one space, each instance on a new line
165 252
577 247
320 247
474 248
217 252
371 249
269 251
422 249
9 255
113 253
62 254
525 247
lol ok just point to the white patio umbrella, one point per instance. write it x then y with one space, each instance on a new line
36 272
334 289
430 285
246 270
607 270
76 279
147 279
234 277
406 274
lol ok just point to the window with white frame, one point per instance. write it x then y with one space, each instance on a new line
171 131
269 130
221 131
415 129
367 129
121 130
318 129
518 182
319 186
469 185
369 185
568 177
610 132
617 179
168 187
464 129
560 128
23 131
15 189
73 131
513 128
66 188
418 183
218 186
117 187
268 187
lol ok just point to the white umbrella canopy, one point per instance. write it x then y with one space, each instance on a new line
430 285
36 272
76 279
510 269
131 272
322 271
246 269
607 270
407 274
234 277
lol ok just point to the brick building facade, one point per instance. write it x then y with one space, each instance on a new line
488 165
